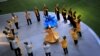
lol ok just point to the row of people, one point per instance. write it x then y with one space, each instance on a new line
14 46
13 41
47 47
52 37
74 20
71 16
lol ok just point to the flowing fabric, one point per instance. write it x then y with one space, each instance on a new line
50 20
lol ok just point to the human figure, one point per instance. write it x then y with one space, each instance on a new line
16 48
52 36
64 45
57 12
45 9
15 19
74 35
6 30
70 18
70 11
73 19
10 26
74 15
27 15
64 15
46 47
10 38
29 48
70 15
78 25
37 14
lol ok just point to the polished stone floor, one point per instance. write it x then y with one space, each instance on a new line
88 45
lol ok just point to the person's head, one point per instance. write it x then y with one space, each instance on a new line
45 43
78 17
8 21
7 28
70 9
13 14
26 11
44 5
49 26
64 37
74 12
63 8
26 43
57 5
35 8
74 29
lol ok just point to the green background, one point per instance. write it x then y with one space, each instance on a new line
89 9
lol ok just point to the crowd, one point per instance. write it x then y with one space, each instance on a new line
13 39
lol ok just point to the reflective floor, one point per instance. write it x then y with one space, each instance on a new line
35 33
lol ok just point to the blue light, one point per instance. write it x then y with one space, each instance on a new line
50 20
